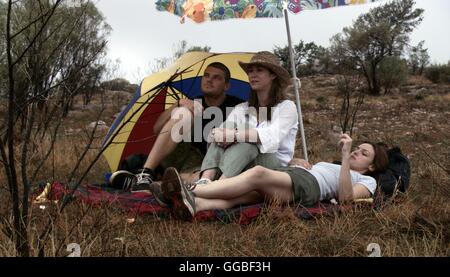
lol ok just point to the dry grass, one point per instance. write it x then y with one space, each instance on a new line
418 226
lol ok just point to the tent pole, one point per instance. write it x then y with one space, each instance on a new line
296 86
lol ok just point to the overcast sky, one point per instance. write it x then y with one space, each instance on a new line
140 33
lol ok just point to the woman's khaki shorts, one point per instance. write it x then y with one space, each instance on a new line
304 185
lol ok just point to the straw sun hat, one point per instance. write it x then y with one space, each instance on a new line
270 61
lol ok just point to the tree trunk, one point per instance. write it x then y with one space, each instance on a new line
375 89
368 79
10 167
22 243
421 70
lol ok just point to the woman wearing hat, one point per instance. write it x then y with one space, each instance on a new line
261 131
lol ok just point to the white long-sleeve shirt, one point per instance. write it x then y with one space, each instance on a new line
277 135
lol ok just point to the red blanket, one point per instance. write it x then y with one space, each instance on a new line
144 203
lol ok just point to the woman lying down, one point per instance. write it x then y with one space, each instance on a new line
298 184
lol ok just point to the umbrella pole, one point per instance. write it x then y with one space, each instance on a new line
296 86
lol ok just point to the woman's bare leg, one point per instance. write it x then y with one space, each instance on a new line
269 183
203 204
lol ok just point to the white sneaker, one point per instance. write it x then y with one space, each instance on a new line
143 181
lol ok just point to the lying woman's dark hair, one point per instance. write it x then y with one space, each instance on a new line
380 160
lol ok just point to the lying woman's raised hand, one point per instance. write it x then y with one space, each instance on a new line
346 143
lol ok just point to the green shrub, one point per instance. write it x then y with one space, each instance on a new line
393 72
419 97
322 102
119 84
437 73
321 99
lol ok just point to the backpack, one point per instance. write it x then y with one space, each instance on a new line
398 174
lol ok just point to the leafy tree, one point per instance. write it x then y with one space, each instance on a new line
308 57
65 47
438 73
119 84
418 58
382 32
393 72
50 51
199 49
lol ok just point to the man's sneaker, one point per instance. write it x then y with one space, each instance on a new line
183 200
123 180
143 181
155 189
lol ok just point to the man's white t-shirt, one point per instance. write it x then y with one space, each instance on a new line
327 175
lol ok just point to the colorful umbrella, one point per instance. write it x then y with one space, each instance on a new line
132 131
204 10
